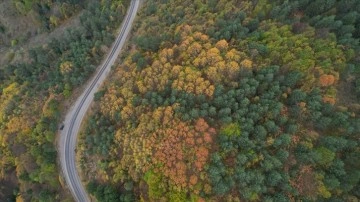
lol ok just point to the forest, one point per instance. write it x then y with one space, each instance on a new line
33 93
230 101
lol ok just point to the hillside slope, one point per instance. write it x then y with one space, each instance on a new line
23 27
230 101
35 88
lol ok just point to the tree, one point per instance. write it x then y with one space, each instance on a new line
324 156
326 80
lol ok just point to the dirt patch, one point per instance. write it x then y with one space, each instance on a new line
345 93
306 182
8 185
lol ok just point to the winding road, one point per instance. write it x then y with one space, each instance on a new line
74 117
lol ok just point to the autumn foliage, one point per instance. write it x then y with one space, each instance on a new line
183 152
217 111
326 80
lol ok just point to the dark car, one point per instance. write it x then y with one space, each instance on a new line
62 126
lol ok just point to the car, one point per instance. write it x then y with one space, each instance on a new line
62 127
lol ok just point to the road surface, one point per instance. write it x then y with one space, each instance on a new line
68 139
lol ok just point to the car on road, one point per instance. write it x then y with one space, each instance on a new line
61 127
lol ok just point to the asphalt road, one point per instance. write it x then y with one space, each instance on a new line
75 115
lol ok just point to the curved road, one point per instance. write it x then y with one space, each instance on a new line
75 115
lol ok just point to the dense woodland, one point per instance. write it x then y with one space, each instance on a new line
32 96
234 100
